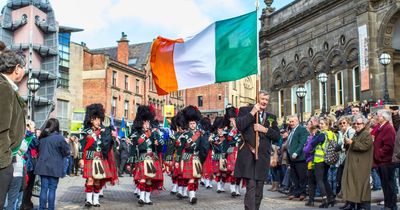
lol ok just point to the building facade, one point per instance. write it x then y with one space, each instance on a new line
30 26
113 83
213 99
342 38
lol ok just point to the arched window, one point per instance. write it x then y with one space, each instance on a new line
356 83
307 98
339 88
293 100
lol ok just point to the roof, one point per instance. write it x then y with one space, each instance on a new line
69 29
139 51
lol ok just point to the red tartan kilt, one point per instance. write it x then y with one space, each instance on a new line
176 171
139 171
215 166
88 169
231 160
208 166
187 172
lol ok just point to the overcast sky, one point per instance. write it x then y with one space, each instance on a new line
143 20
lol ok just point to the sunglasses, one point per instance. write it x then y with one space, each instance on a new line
358 123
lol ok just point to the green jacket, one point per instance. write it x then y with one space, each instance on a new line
297 143
12 121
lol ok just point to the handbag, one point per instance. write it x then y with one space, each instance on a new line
149 168
197 168
98 169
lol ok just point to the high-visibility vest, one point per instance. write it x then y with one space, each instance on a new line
319 153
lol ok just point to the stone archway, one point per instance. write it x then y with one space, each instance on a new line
396 73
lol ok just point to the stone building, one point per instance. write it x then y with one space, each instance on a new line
342 38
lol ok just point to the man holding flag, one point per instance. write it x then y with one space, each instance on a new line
124 148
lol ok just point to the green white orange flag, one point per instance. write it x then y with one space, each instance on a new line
224 51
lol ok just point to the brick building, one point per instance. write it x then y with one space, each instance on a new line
119 86
136 56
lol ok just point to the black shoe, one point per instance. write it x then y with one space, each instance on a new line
88 204
310 202
193 200
332 202
233 194
149 203
96 205
202 183
324 204
141 202
179 195
347 204
173 193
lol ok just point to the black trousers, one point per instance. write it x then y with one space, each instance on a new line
339 178
299 177
254 194
386 173
27 196
6 176
311 183
321 175
122 164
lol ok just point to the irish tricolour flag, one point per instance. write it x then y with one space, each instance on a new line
224 51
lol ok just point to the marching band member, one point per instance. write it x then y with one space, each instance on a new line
97 156
218 144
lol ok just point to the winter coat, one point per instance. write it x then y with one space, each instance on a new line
246 164
355 181
52 150
384 145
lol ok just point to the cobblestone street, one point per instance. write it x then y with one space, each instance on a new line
70 195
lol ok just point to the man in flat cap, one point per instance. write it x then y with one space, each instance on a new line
395 117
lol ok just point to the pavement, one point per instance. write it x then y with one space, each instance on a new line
70 195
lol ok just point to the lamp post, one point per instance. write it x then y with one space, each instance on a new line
301 93
323 78
385 60
33 86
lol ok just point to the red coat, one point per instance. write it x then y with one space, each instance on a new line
384 141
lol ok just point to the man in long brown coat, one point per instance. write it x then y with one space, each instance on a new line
247 167
12 117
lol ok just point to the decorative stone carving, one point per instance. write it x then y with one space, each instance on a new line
352 55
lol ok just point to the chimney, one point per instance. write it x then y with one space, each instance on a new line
123 49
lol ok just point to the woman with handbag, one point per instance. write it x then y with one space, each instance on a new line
148 174
97 154
52 150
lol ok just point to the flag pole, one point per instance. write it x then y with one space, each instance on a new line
257 92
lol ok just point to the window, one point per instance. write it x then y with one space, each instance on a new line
199 101
126 82
234 85
339 88
151 83
63 81
137 86
179 93
293 100
63 48
132 61
114 78
307 98
114 106
126 109
281 104
62 114
356 84
236 102
219 97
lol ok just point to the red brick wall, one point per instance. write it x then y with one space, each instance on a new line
210 95
123 51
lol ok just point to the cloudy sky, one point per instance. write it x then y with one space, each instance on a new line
142 20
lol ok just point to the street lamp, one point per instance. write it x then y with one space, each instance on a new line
33 86
323 78
385 60
301 93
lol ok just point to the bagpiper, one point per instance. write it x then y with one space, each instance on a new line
218 143
177 174
191 166
146 144
233 140
169 158
208 174
97 155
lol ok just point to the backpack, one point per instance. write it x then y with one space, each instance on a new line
331 156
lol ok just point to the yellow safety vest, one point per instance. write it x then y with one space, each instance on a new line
319 154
